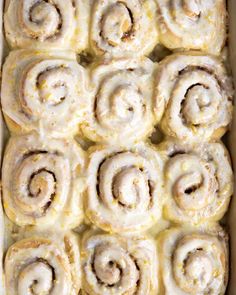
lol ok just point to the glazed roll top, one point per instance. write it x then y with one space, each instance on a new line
198 181
194 261
45 92
193 24
43 181
120 28
115 265
124 188
40 265
121 104
198 95
47 24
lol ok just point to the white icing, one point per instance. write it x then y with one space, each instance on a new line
39 265
121 28
124 188
198 181
121 102
193 261
44 92
192 24
43 181
116 265
44 24
197 94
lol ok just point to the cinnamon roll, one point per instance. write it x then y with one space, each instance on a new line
124 187
43 181
194 261
45 92
198 181
126 27
121 104
39 265
117 265
47 24
193 24
197 93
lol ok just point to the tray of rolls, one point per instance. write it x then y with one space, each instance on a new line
117 140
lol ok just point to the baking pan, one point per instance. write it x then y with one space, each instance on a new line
231 217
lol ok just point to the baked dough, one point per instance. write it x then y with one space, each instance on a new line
192 24
45 24
43 182
194 261
121 28
197 94
43 91
121 104
40 265
124 187
113 264
198 181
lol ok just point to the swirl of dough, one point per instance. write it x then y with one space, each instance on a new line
39 265
42 181
197 94
123 27
193 24
121 102
198 181
43 93
124 189
115 265
47 24
194 261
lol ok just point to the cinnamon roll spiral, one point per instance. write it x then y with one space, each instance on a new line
43 92
121 104
115 265
39 265
124 188
198 181
43 181
193 24
47 24
120 28
194 261
198 96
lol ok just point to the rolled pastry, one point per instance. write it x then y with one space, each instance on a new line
198 181
47 24
43 181
40 265
45 92
197 94
113 264
193 24
194 261
126 27
121 104
124 187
